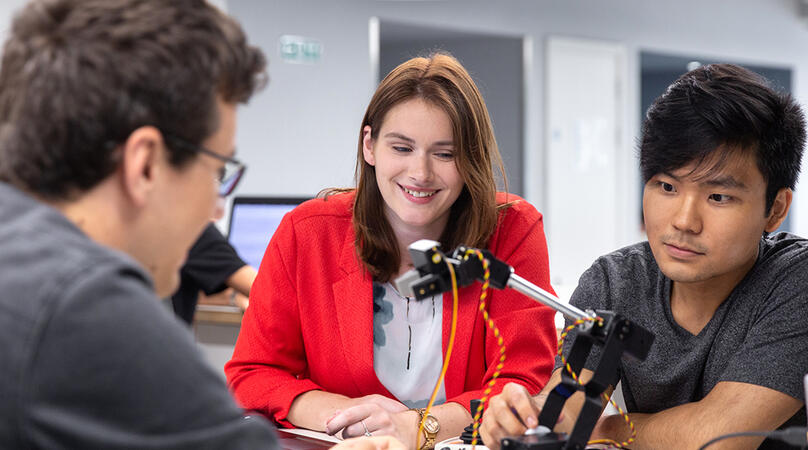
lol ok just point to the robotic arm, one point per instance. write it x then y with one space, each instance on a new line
613 332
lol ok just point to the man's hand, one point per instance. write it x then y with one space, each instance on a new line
510 413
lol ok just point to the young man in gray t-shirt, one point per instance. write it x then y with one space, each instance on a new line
720 155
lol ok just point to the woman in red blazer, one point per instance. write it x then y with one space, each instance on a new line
328 343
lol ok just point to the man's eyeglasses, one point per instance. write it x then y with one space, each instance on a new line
229 175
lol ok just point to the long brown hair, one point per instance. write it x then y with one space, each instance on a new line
443 82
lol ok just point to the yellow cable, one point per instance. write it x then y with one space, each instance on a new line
436 259
500 342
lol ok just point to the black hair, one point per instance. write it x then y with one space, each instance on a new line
79 76
725 108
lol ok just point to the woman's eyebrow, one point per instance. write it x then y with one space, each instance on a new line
393 134
410 140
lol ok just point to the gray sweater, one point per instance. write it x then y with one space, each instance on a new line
88 358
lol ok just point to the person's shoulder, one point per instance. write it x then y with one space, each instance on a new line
517 220
514 209
47 251
782 254
784 245
115 324
508 201
335 205
87 258
66 279
111 279
618 277
640 251
635 259
322 219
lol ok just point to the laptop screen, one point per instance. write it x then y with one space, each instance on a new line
253 220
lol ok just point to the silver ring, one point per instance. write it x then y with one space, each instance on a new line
367 433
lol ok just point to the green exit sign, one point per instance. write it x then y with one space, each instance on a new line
299 49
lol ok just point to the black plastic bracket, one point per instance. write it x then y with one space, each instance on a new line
617 336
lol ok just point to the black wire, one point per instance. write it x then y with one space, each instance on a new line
795 436
734 435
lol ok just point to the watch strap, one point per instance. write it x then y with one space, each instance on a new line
429 438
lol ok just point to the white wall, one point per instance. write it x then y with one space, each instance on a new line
300 135
7 10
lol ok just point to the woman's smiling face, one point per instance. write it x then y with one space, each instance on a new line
414 159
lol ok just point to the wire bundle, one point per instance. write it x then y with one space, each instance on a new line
436 258
574 376
501 342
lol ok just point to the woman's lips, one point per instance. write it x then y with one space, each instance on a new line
421 199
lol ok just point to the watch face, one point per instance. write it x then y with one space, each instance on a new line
431 424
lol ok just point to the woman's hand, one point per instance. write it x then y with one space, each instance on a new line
314 409
386 403
374 419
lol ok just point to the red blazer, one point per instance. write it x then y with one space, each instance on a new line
310 321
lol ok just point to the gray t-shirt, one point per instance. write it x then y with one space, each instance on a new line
757 335
88 357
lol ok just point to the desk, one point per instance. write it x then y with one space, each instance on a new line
216 327
300 439
218 309
224 314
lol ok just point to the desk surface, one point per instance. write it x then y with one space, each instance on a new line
300 439
224 314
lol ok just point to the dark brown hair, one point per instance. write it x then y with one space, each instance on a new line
726 109
439 80
79 76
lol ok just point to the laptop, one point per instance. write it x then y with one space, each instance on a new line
253 221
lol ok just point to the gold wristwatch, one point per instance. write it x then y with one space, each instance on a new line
431 428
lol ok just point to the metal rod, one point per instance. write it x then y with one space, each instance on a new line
540 295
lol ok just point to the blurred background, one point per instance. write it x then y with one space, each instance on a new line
567 83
